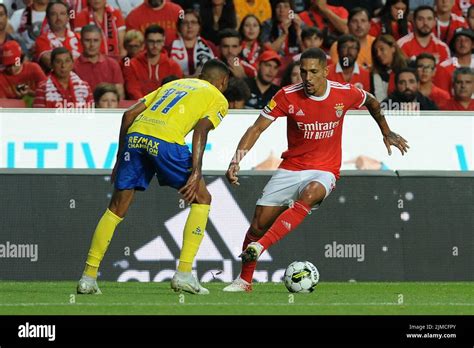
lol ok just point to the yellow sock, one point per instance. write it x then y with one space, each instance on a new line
192 235
100 242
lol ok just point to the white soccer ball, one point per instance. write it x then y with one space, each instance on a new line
301 277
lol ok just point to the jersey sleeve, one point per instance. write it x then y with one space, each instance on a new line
358 97
277 107
217 111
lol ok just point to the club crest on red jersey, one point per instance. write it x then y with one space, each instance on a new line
339 109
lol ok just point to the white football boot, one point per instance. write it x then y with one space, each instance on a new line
88 286
252 252
238 285
183 281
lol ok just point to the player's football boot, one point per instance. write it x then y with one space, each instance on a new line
252 252
88 286
187 282
238 285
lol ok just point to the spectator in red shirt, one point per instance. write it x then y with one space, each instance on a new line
346 70
217 15
230 48
160 12
462 45
461 7
191 50
106 96
387 59
19 79
463 83
446 21
426 68
133 42
392 20
333 19
283 31
423 39
57 35
111 22
63 88
250 31
148 69
93 66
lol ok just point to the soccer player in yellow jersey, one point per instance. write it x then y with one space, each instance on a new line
152 142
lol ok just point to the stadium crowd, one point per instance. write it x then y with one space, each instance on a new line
109 53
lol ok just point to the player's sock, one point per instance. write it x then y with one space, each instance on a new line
285 223
100 242
248 267
192 235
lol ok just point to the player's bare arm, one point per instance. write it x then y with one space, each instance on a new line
201 130
127 119
389 138
247 141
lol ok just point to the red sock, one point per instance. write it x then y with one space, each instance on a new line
249 267
285 223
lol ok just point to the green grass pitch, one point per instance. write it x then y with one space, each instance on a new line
59 298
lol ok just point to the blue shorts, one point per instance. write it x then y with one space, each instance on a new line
144 156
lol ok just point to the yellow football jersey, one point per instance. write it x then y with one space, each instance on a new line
174 109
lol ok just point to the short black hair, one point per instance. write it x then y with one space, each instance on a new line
311 31
169 78
213 65
425 55
465 70
51 3
103 88
357 10
347 38
405 70
228 32
59 50
237 90
423 8
314 53
4 7
154 29
91 28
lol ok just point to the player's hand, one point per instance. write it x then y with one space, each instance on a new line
189 191
231 174
393 139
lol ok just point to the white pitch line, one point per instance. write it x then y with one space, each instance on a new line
230 304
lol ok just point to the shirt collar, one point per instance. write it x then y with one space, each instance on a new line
355 71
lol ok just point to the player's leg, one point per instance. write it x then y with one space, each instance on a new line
193 233
263 218
315 187
121 200
134 172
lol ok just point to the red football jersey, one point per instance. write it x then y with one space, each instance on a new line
314 124
412 48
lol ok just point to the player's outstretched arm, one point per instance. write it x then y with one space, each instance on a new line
201 130
246 143
127 119
389 138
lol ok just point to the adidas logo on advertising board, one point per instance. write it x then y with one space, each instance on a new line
230 224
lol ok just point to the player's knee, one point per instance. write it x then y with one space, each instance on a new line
257 229
313 194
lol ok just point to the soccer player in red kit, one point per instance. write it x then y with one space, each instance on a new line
315 112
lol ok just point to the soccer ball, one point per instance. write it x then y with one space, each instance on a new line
301 277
